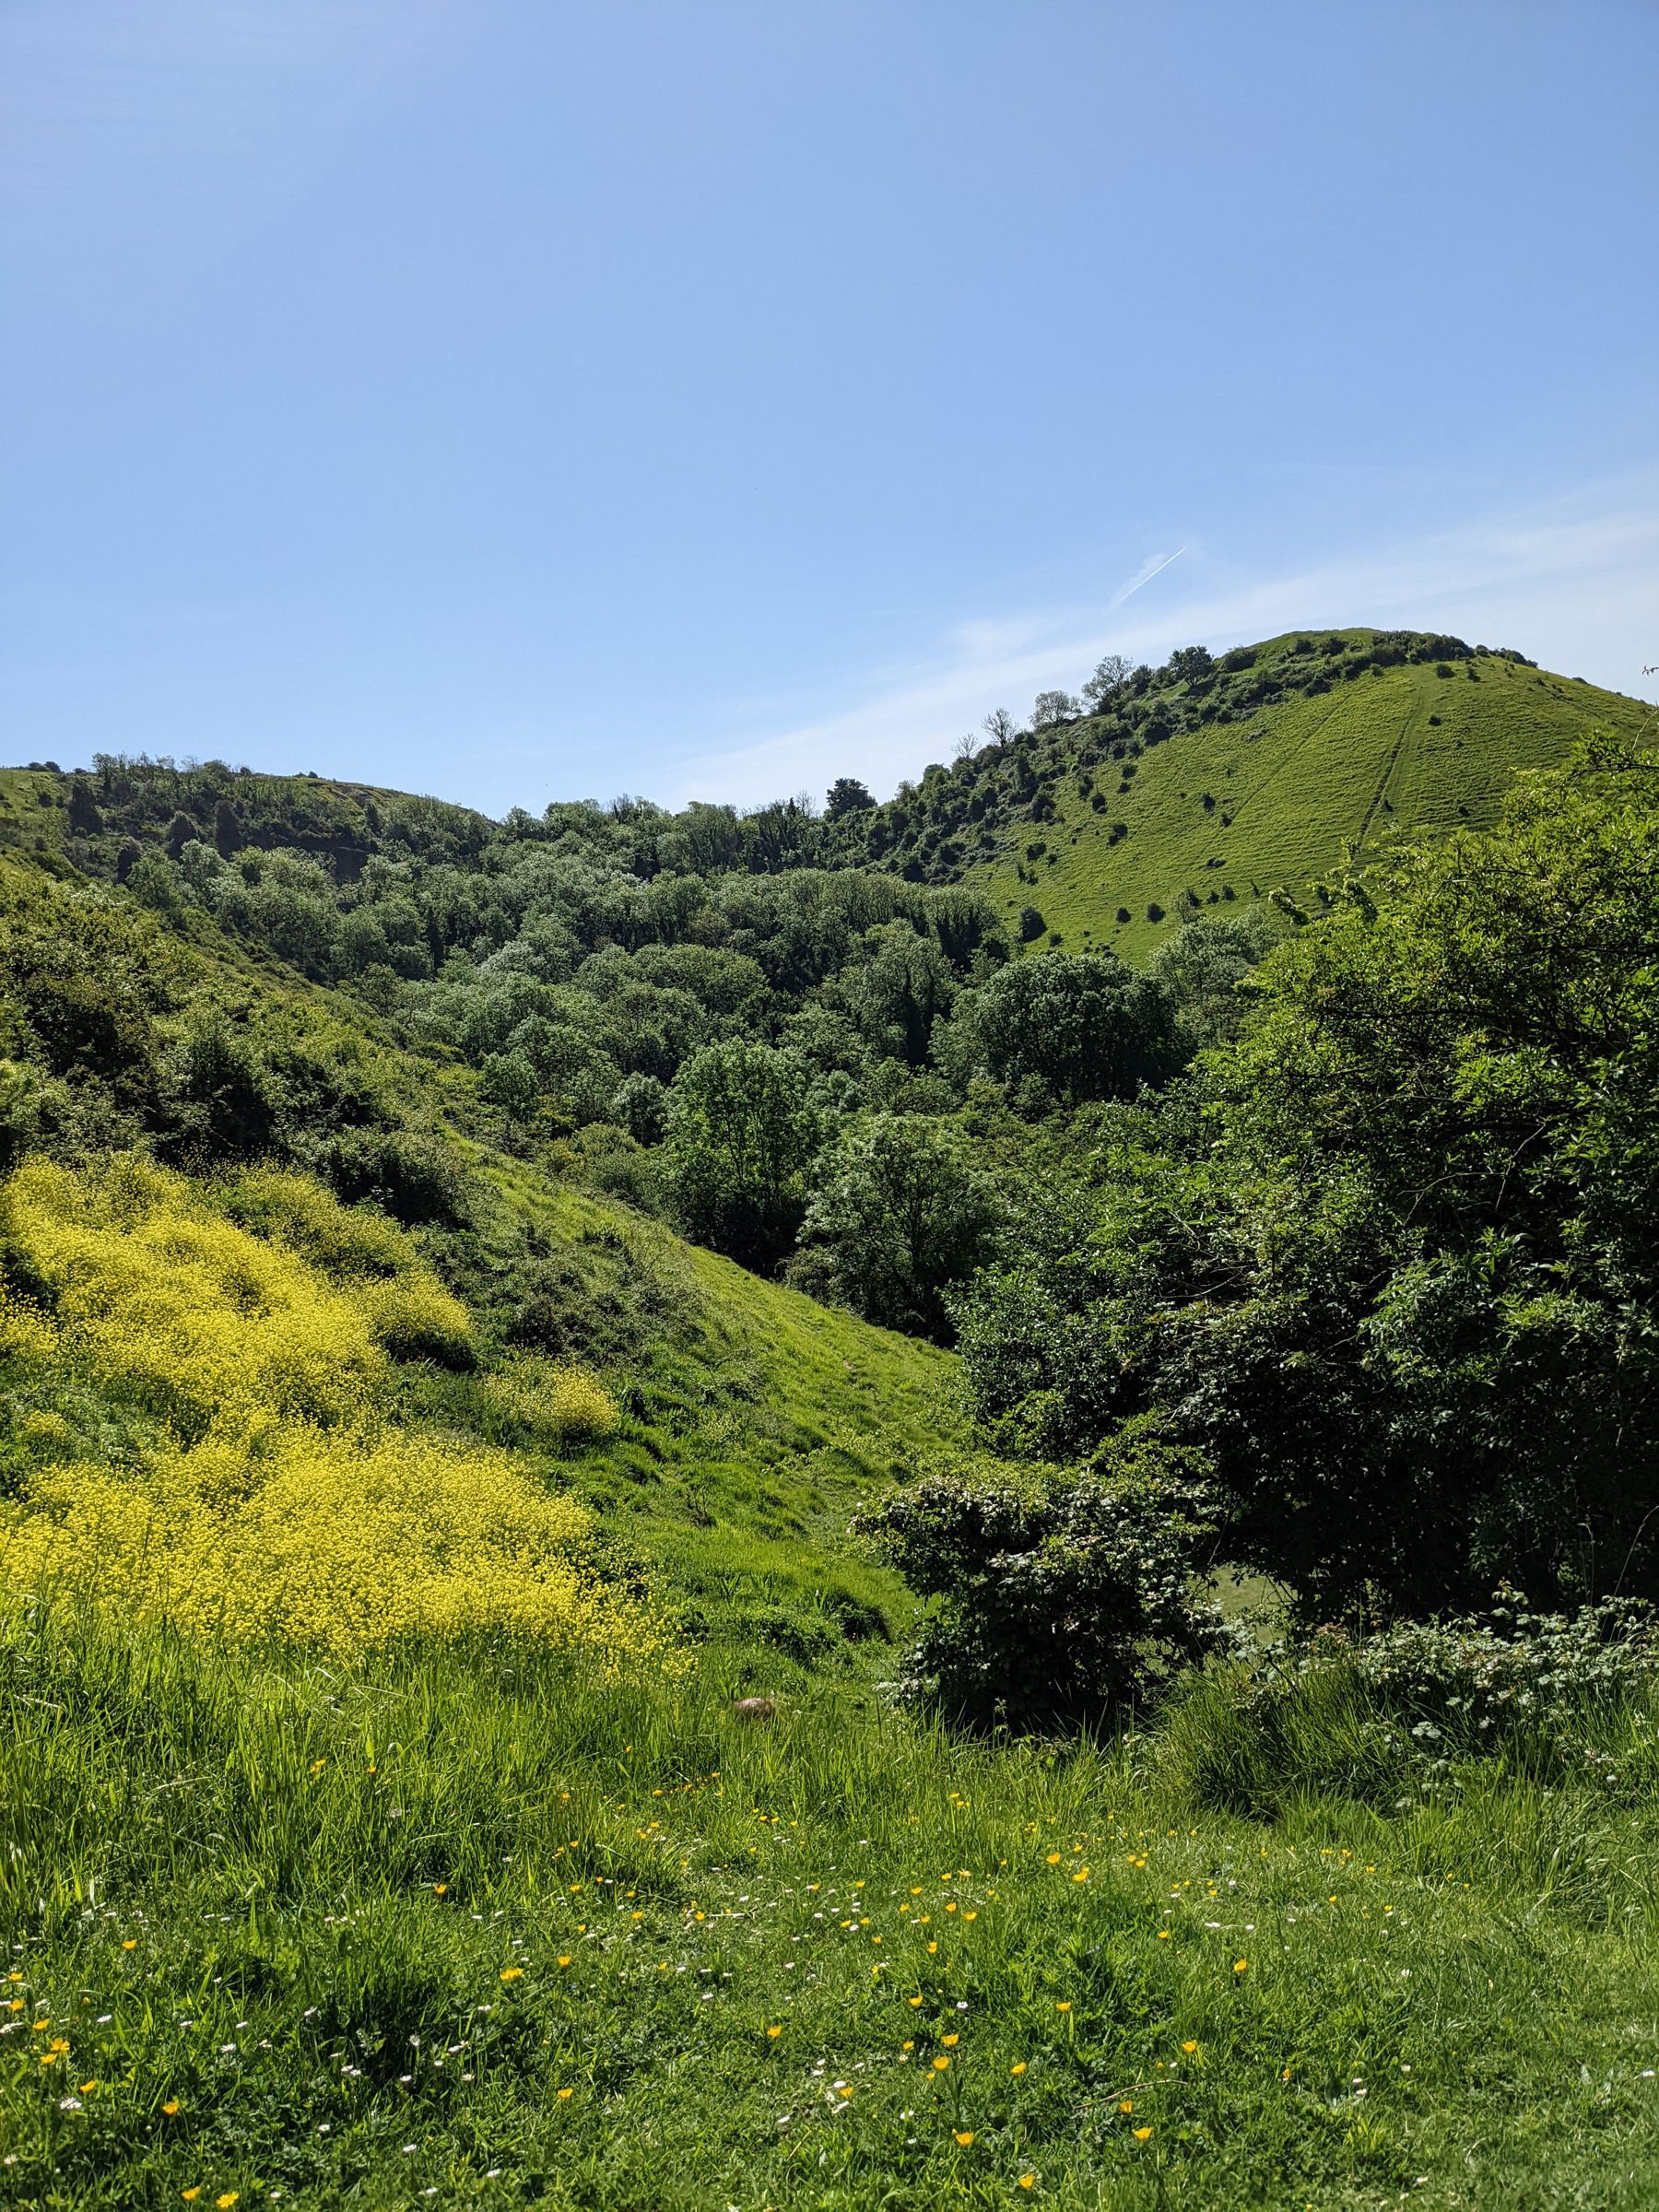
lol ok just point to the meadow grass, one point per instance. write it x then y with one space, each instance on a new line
1401 753
455 1925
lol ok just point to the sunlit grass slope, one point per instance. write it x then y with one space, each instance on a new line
754 1418
248 1410
32 820
1397 752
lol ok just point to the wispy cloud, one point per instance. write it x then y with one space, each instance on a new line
1154 565
1575 585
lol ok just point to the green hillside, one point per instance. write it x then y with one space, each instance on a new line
501 1703
753 1418
1229 811
757 1419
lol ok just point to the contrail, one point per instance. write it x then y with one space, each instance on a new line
1158 568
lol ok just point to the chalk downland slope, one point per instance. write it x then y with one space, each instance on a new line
1232 810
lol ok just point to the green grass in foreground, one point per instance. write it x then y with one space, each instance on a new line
462 1930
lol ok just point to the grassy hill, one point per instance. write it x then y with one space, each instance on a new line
473 1916
1230 810
752 1418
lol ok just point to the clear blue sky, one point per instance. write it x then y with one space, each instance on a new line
513 399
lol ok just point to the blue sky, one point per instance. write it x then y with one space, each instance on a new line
514 400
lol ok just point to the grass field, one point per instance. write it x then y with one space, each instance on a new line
466 1929
1398 753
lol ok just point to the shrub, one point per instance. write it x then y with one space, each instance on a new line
414 1177
1390 1717
557 1404
1065 1598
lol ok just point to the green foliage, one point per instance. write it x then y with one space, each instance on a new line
900 1216
897 990
1085 1026
1412 1713
1201 967
1066 1597
847 796
740 1133
1390 1258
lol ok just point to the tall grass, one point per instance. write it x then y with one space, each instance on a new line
458 1919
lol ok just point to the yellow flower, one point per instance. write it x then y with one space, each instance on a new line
130 1943
225 2202
189 2195
971 1916
171 2107
913 2002
512 1973
317 1765
1054 1858
1081 1874
964 2136
1028 2181
950 2042
1163 1935
940 2065
565 2096
439 1888
1063 2005
909 2047
564 1958
775 2032
933 1947
1019 2066
1140 2134
86 2087
1189 2048
1241 1966
1125 2105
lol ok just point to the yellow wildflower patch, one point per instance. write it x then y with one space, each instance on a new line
281 1504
